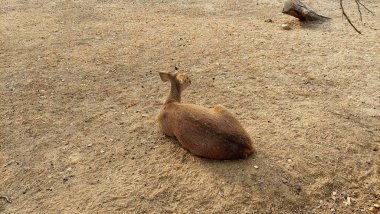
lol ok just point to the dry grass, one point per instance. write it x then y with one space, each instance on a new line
80 94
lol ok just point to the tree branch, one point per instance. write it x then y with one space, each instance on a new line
365 7
348 19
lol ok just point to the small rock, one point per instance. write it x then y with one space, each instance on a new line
268 20
348 201
256 167
332 210
102 151
89 145
334 193
376 205
289 160
285 27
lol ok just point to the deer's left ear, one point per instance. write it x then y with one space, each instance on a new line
166 76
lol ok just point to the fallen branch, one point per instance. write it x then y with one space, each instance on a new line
297 9
348 19
359 5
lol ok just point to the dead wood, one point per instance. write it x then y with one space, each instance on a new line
297 9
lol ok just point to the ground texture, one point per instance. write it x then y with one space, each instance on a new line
80 94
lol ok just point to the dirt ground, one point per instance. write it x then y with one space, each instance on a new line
80 95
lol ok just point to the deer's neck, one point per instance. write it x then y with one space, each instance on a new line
175 93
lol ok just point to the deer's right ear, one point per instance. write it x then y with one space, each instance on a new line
165 76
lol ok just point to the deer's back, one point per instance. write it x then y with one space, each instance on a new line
212 133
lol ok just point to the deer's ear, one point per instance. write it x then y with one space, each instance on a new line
166 76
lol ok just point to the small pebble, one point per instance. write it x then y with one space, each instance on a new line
376 205
256 167
102 151
89 145
285 27
348 201
268 20
289 160
334 193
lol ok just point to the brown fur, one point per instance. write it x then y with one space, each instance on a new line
211 133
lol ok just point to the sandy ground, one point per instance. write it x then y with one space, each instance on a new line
80 95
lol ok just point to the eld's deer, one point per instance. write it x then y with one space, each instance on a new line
211 133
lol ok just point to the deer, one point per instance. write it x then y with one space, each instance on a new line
209 133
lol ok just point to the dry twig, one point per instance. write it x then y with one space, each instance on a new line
359 5
6 199
348 19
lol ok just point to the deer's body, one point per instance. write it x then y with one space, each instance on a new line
211 133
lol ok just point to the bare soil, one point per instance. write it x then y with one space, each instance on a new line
80 95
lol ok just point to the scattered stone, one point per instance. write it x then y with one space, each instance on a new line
132 103
285 27
256 167
289 160
348 201
334 193
89 145
376 205
102 151
268 20
332 210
